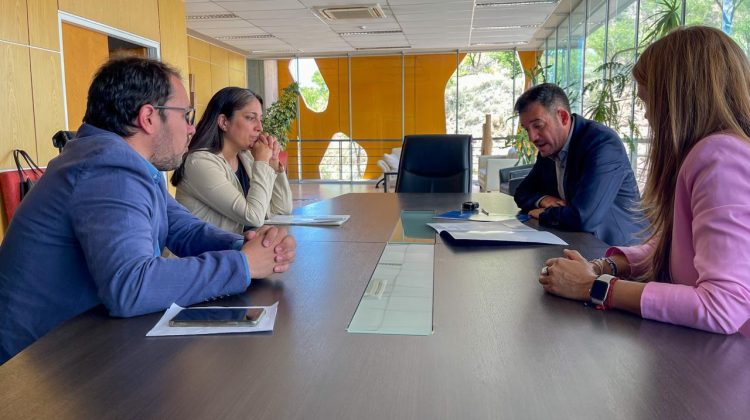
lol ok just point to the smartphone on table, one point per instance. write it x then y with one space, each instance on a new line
218 317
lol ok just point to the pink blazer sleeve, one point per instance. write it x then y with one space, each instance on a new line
639 257
713 191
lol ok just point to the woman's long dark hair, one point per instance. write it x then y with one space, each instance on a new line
208 135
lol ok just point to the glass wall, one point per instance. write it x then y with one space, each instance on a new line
598 52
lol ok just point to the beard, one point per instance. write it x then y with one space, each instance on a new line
163 158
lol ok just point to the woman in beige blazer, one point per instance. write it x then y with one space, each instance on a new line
231 175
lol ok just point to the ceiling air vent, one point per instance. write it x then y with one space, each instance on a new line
213 17
372 11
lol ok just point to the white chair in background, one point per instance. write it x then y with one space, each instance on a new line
389 165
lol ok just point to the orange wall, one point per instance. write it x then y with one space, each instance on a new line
375 105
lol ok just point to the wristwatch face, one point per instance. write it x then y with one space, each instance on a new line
599 290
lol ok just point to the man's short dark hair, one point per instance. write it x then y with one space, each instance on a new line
548 95
121 87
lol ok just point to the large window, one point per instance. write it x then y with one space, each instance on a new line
596 45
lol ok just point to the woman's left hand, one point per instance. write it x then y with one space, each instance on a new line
570 276
276 148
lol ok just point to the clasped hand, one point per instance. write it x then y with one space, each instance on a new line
546 202
569 276
269 250
267 149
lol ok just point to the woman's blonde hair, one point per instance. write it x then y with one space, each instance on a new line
694 82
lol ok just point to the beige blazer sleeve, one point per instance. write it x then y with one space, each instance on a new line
210 180
281 195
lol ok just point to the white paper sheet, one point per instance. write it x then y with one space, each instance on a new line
510 230
162 327
316 220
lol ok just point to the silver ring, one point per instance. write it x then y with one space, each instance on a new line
545 271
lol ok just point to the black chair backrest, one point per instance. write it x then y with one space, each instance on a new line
435 163
513 185
513 172
61 138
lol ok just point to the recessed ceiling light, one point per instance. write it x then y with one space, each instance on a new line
488 28
274 51
493 44
360 33
259 36
404 47
214 16
516 3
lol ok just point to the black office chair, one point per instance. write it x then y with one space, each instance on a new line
513 176
61 138
435 163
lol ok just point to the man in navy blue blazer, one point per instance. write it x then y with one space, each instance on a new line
582 179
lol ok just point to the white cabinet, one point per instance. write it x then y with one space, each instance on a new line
489 171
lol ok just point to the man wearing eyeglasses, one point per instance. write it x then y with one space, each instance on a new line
93 229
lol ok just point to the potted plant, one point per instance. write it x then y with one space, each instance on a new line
277 120
519 139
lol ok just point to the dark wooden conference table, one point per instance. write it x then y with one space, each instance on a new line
501 347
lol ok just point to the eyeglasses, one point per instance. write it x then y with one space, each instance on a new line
189 112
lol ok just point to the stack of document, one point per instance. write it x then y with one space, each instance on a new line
510 230
317 220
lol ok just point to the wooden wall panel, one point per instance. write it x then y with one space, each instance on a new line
237 78
173 31
16 107
199 49
49 115
13 23
43 29
213 68
219 56
140 17
237 62
84 52
202 73
219 78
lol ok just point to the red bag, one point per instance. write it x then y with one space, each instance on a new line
15 185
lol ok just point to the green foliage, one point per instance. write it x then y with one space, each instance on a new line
278 117
523 146
519 139
537 74
486 87
316 96
606 92
665 19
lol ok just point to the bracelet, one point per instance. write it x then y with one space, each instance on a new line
612 265
611 291
598 266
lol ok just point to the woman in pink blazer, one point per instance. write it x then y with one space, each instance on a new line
694 267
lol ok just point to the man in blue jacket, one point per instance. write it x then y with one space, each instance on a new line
582 179
93 229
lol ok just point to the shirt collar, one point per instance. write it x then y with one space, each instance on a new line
562 155
152 171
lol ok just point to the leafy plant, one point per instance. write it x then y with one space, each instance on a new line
666 19
606 91
278 118
523 146
519 140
